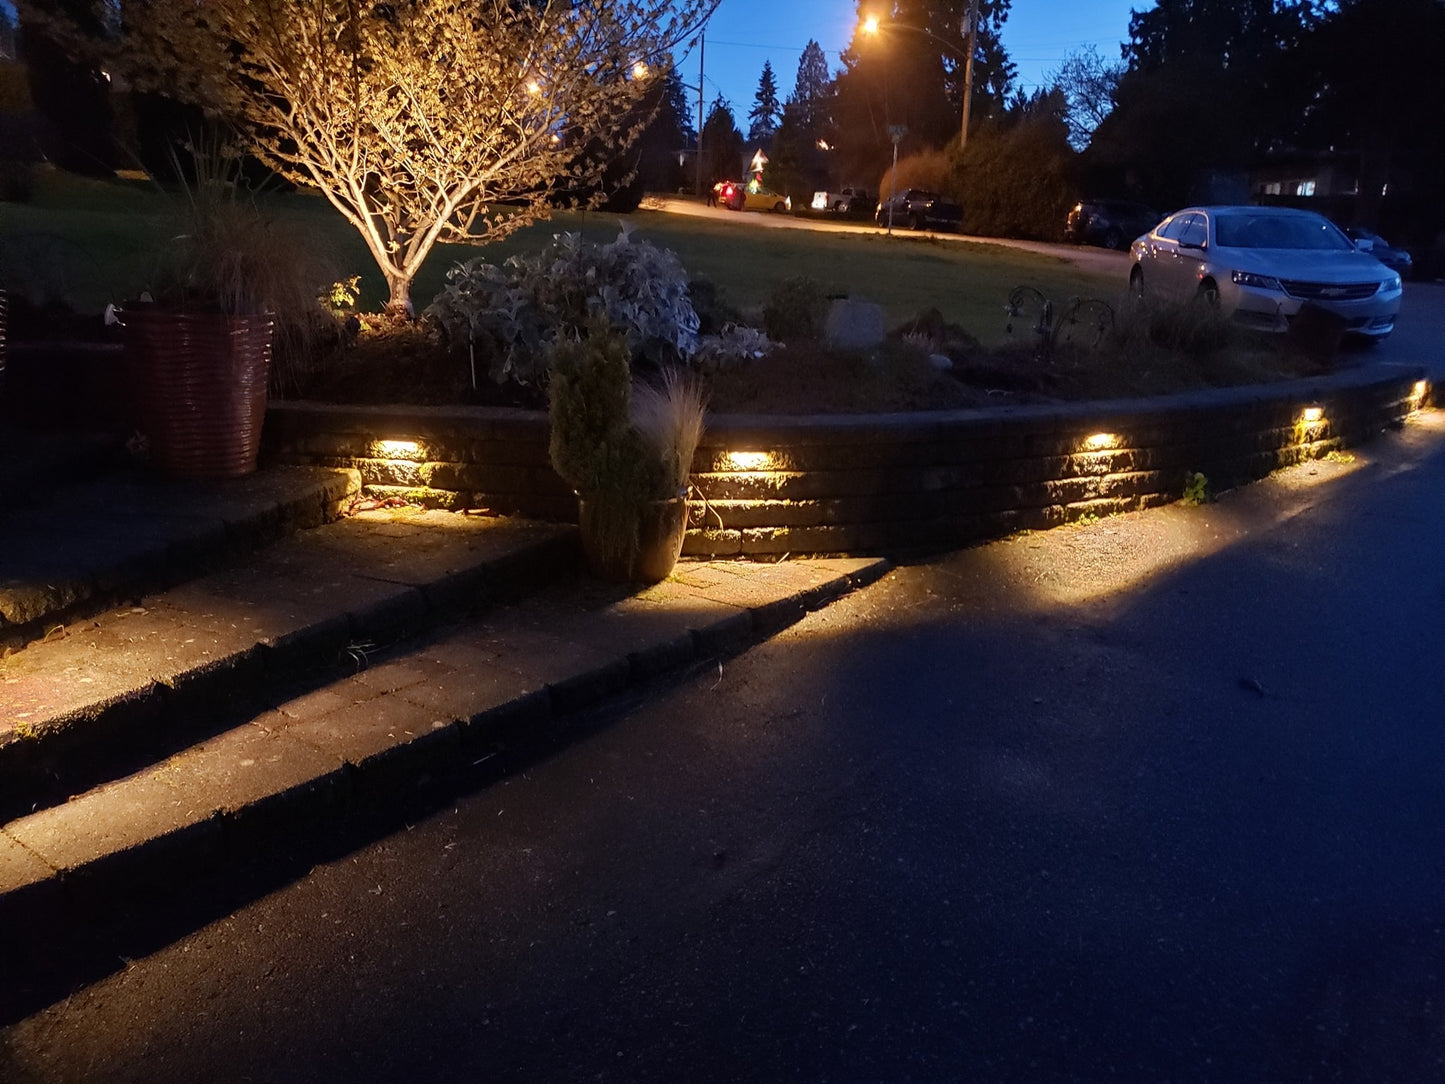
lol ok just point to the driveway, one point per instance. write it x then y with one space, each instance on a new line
1098 260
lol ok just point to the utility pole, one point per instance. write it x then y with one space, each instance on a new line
701 52
970 38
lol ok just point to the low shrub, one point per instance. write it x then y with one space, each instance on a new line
927 169
714 314
514 314
796 312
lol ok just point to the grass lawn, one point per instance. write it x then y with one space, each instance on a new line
90 242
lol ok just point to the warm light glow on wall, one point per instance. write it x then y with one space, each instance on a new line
397 449
1418 394
1311 426
748 460
1100 441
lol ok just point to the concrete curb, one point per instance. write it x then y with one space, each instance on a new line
431 713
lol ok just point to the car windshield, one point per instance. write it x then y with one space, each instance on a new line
1277 231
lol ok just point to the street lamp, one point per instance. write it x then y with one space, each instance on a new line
969 29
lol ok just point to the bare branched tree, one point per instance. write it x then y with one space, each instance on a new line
1089 83
419 120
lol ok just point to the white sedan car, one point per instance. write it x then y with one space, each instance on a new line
1261 265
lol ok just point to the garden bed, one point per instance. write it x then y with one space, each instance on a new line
924 364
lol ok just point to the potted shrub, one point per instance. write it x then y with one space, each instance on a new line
198 345
626 451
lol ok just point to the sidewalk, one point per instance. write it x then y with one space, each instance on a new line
213 669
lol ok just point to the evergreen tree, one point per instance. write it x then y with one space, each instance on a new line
682 108
666 133
1016 176
812 93
722 144
766 112
1216 69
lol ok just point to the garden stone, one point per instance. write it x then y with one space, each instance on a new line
854 325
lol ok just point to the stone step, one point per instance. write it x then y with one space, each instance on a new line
110 539
112 693
413 717
34 466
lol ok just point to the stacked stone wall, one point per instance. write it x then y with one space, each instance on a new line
870 483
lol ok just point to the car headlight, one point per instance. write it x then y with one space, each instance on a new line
1391 285
1259 282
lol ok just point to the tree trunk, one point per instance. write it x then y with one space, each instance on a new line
400 288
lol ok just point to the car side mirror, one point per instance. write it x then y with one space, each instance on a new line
1198 245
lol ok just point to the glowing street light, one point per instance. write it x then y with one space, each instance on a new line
872 25
640 70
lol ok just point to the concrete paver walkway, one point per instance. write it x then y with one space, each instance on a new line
319 676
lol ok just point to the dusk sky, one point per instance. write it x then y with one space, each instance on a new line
744 33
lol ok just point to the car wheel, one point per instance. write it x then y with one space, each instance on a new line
780 207
1113 239
917 222
1209 294
1136 283
838 208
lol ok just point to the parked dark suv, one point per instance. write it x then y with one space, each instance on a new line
919 209
1112 223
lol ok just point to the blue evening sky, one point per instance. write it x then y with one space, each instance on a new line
744 33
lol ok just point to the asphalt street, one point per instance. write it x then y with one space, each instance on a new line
1156 798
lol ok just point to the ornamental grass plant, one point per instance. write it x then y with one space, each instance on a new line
620 447
224 251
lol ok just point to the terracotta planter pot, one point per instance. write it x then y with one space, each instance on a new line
200 386
659 529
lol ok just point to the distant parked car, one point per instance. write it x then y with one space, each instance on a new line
722 192
1396 259
1112 223
917 208
753 196
842 201
1262 265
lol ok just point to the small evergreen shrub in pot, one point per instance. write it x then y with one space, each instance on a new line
626 451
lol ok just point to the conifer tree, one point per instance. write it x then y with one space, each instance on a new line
812 91
766 112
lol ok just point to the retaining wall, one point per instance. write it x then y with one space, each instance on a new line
875 482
